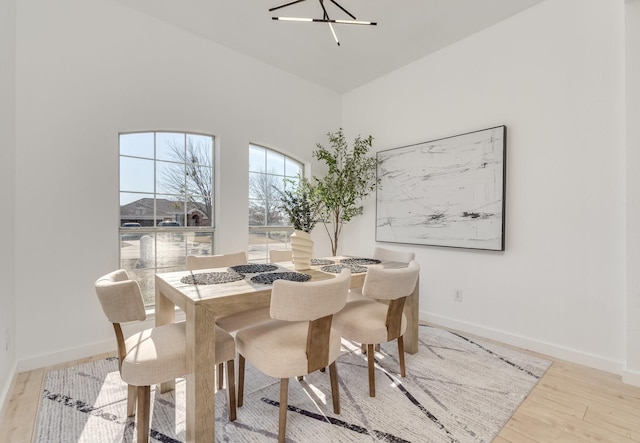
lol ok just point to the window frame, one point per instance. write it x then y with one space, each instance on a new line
168 244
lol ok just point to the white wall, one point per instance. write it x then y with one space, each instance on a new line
7 196
86 71
554 75
631 373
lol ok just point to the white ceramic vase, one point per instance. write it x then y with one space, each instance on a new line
301 250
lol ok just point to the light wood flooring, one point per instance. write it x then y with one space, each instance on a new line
571 403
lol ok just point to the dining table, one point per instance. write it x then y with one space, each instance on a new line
204 295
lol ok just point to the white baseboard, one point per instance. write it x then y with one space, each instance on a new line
80 352
555 351
631 377
7 390
65 355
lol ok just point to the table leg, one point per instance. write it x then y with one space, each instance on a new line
165 314
200 389
412 312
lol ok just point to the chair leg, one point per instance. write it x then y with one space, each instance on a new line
284 402
240 379
132 392
335 390
401 356
372 374
144 410
220 375
231 389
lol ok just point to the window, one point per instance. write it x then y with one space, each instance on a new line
166 203
269 227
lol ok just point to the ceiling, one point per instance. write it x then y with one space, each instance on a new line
407 30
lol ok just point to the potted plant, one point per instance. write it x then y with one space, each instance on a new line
351 177
302 211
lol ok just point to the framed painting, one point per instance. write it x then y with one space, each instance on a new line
445 192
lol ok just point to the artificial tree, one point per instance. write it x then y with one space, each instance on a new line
351 176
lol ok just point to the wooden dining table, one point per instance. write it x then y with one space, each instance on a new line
202 303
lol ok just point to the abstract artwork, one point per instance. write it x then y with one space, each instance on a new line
446 192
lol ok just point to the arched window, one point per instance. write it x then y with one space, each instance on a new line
269 228
166 203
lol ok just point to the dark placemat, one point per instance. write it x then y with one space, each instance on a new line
336 269
270 277
211 278
321 261
253 269
360 261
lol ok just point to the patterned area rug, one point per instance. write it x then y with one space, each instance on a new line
457 389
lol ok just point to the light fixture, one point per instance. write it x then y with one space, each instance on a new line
325 17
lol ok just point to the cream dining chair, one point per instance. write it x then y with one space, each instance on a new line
299 340
367 321
393 255
154 355
276 255
237 320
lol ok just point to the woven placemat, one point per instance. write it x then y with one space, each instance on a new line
253 269
321 261
360 261
269 277
337 269
211 278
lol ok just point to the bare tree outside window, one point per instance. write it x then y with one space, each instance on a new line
194 183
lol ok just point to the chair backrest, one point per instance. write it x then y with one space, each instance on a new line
276 255
296 301
195 262
120 297
391 255
390 284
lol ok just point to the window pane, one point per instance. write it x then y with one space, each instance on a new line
136 208
292 168
275 163
139 144
257 212
276 216
199 149
170 251
200 243
257 159
199 211
199 180
170 146
169 210
170 178
136 175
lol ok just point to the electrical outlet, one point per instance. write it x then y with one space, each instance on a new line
458 295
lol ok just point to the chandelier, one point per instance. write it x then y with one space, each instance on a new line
325 17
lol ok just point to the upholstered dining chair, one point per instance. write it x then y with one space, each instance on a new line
237 320
367 321
154 355
384 255
216 261
276 255
393 255
298 340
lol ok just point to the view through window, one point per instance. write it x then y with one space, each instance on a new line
166 203
269 227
